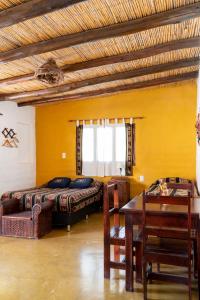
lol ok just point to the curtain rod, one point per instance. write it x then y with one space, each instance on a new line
118 118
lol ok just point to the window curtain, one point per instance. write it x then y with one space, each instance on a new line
79 141
130 149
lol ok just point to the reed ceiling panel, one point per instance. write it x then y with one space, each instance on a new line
86 16
4 4
107 70
103 48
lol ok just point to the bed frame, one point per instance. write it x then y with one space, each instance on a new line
64 219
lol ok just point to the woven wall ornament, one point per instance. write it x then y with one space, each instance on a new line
50 73
10 138
198 128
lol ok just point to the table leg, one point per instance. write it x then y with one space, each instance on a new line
129 253
138 262
195 258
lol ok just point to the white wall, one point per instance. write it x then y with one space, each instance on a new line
198 146
17 165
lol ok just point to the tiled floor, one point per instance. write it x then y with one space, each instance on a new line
68 266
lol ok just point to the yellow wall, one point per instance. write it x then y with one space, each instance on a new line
165 139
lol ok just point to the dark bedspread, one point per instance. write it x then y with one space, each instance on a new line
66 200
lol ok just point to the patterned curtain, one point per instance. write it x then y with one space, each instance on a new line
79 137
130 148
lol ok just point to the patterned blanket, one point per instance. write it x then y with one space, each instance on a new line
66 200
155 189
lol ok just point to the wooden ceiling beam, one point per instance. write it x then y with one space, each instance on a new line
32 9
138 54
16 79
194 61
121 88
134 55
172 16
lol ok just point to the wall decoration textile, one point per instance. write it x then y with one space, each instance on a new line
10 138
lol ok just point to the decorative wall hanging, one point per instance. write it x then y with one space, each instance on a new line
10 138
50 73
198 128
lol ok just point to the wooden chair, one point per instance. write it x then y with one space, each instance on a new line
116 236
183 186
165 242
190 186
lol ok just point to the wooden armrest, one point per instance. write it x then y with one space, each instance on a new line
39 208
9 206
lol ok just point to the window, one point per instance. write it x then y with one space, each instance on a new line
88 145
104 150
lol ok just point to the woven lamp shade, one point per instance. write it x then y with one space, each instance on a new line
50 73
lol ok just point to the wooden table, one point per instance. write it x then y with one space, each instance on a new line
133 216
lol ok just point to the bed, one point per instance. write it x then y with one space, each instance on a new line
70 205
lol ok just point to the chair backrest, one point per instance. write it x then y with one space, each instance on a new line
110 195
182 186
157 223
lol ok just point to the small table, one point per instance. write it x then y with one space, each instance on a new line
133 216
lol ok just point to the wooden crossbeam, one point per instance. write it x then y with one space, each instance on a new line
172 16
120 88
32 9
133 55
16 79
194 61
138 54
